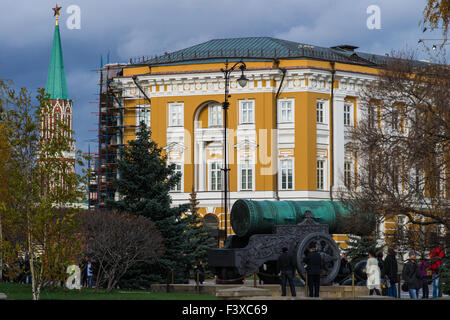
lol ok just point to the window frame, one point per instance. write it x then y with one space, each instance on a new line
147 114
320 172
247 165
218 113
241 112
282 173
180 114
280 110
348 118
322 112
179 186
348 174
218 177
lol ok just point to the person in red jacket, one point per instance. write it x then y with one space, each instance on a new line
436 256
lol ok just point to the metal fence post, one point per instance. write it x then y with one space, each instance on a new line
353 285
197 281
306 284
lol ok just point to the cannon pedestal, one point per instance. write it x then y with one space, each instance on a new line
242 257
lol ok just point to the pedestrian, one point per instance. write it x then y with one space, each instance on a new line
187 268
373 274
436 256
412 275
345 269
425 271
200 271
313 262
286 266
89 273
391 272
84 272
384 284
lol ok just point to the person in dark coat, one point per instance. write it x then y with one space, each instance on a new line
287 268
391 271
313 262
187 268
83 270
412 275
345 269
381 263
200 271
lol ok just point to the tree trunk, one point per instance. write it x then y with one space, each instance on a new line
36 288
1 250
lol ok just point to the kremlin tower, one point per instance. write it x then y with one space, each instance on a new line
60 105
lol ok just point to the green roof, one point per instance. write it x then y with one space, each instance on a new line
56 81
265 48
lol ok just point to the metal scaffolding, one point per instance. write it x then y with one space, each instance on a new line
114 117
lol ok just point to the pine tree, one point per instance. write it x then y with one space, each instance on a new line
144 183
359 247
444 275
199 239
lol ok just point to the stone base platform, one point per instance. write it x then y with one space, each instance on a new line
270 290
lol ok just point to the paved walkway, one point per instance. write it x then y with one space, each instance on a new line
403 295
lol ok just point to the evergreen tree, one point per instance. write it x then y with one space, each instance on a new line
144 183
444 275
199 239
359 247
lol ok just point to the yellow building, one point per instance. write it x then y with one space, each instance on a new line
286 128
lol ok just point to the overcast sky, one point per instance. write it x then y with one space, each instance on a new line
147 27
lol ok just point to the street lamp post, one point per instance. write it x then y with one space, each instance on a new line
242 82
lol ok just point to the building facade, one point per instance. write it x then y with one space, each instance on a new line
287 128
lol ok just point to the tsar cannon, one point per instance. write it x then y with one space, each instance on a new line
263 228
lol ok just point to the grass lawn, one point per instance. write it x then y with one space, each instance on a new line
15 291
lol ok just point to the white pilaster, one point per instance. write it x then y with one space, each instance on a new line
338 141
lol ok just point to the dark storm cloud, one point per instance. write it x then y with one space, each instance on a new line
148 27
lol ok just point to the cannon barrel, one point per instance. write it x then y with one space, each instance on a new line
250 217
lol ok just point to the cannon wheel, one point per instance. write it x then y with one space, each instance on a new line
329 251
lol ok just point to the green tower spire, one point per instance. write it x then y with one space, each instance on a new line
56 81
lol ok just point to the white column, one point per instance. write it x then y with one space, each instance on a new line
338 142
201 166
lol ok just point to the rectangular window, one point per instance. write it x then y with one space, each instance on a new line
320 111
320 175
347 114
247 112
175 115
285 111
177 187
215 113
371 116
215 174
286 174
348 174
246 175
143 114
395 119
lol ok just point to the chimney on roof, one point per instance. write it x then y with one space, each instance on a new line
345 47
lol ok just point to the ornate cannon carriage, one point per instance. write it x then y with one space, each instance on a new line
263 228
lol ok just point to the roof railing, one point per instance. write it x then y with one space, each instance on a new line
257 53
